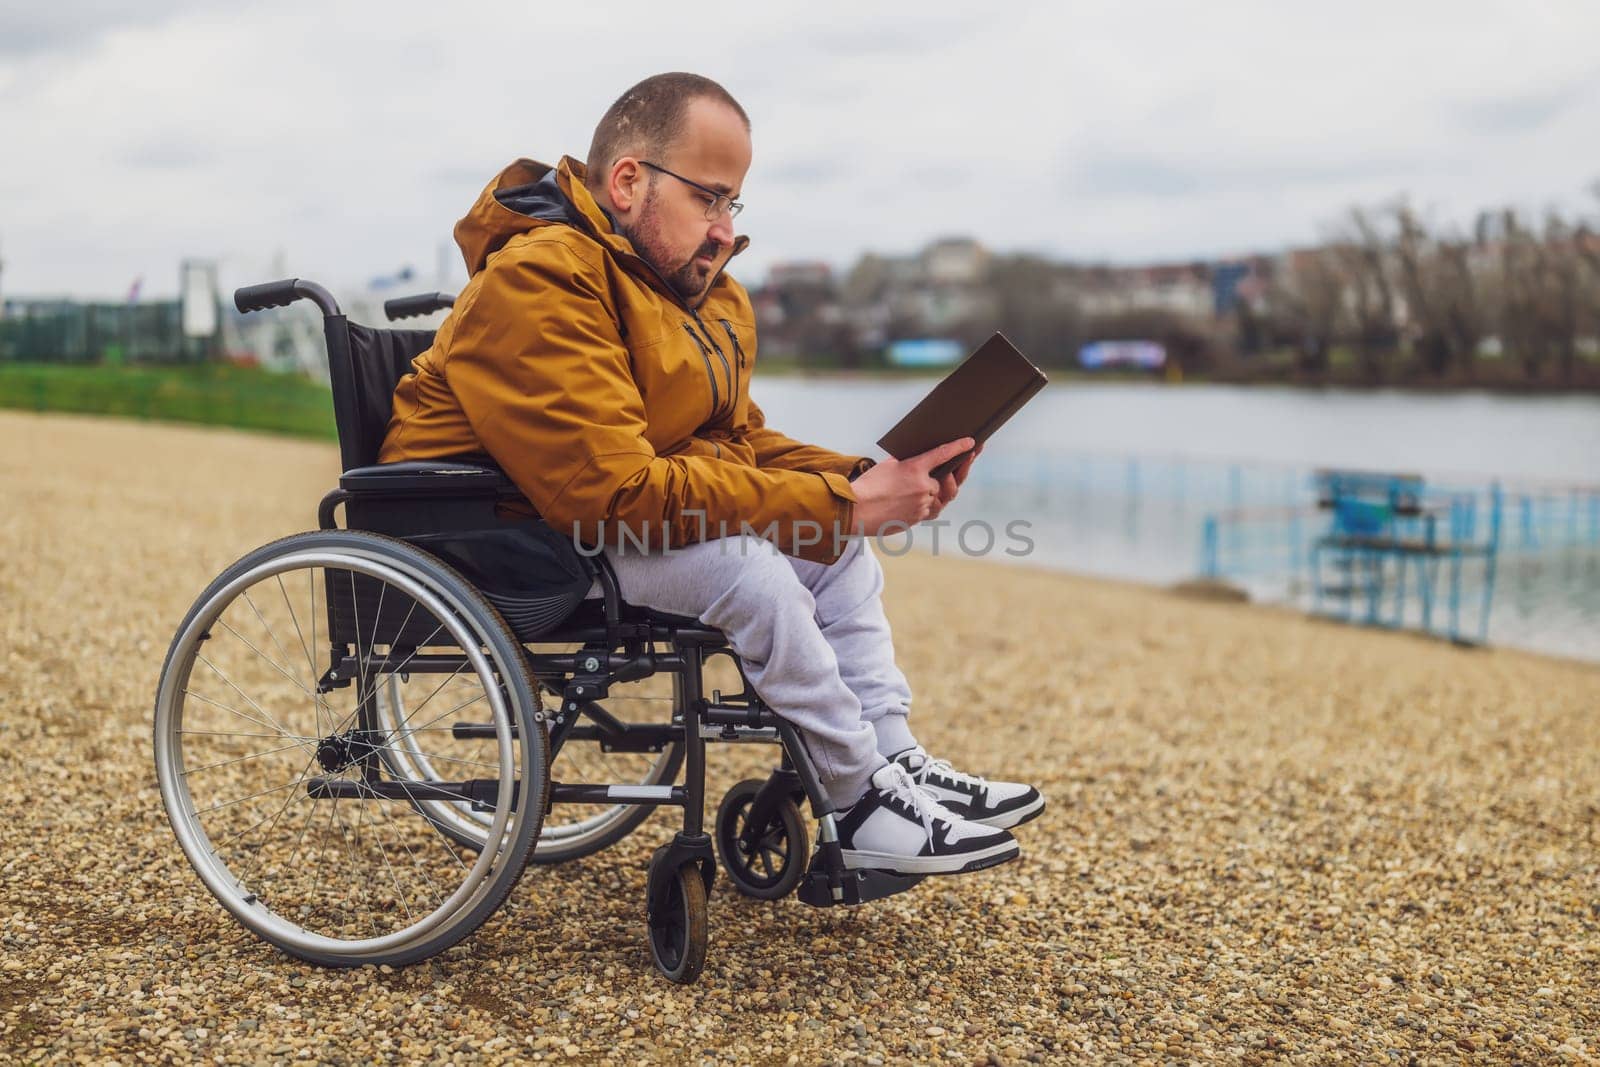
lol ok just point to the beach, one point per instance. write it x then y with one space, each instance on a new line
1267 838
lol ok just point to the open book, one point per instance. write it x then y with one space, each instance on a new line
974 400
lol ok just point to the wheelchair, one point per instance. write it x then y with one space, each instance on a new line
365 733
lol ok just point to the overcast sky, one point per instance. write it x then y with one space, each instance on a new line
342 141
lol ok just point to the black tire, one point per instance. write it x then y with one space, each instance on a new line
497 660
679 938
769 863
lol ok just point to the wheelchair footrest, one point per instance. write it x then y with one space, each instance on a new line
859 885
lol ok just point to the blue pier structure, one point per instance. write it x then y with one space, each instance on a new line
1383 529
1428 553
1394 550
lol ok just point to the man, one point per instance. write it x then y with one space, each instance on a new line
603 358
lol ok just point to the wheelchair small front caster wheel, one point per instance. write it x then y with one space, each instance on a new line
678 931
765 862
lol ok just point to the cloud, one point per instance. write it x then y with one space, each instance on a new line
1524 111
1113 175
342 140
33 29
167 152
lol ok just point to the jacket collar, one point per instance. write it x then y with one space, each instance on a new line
528 194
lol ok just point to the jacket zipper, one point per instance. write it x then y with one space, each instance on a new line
711 374
727 367
738 350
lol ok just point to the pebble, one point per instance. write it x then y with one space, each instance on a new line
1266 839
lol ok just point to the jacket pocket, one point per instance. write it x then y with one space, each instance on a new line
741 374
711 373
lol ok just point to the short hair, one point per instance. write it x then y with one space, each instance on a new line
649 118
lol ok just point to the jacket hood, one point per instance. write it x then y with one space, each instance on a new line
528 194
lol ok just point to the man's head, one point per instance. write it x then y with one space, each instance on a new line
659 157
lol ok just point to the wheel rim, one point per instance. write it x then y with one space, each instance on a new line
766 865
240 678
768 850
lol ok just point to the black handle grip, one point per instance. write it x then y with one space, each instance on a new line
404 307
282 293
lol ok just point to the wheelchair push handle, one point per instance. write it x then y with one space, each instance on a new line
282 293
404 307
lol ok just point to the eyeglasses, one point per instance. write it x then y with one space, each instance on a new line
719 201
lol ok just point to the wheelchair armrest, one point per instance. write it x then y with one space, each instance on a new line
422 477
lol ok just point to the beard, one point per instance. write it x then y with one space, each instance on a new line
683 275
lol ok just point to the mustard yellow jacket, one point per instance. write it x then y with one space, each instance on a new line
604 397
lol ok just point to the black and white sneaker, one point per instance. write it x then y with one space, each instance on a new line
897 827
998 804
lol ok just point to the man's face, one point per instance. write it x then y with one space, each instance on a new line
666 218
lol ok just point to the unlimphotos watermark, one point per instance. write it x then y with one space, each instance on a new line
974 537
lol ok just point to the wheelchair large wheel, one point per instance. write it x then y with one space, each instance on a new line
274 766
572 831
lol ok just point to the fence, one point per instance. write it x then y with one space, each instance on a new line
70 332
1255 525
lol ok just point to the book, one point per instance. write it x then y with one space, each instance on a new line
974 400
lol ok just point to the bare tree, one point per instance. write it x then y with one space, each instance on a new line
1520 281
1441 294
1035 305
1306 303
1561 303
1361 251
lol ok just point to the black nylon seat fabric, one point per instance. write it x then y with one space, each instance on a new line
378 359
530 573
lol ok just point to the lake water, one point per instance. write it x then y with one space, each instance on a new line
1118 480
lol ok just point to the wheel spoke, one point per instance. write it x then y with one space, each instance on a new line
271 633
270 721
293 798
268 659
402 728
240 759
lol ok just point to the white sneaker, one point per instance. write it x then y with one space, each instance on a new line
898 827
997 804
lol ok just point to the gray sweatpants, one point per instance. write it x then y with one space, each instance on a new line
813 638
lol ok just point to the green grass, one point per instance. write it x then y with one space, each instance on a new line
211 394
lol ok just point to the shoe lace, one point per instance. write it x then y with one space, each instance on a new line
942 767
923 805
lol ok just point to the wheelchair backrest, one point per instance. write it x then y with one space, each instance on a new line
364 365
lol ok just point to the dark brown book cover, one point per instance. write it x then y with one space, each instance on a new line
974 400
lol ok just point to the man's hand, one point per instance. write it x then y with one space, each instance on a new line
905 491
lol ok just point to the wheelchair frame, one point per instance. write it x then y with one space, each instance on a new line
386 508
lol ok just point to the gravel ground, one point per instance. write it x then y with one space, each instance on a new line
1268 839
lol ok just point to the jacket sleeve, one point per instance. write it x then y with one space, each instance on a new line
539 367
774 451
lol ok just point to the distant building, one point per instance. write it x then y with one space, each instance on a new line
1183 288
799 314
953 261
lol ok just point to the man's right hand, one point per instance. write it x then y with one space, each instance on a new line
902 490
